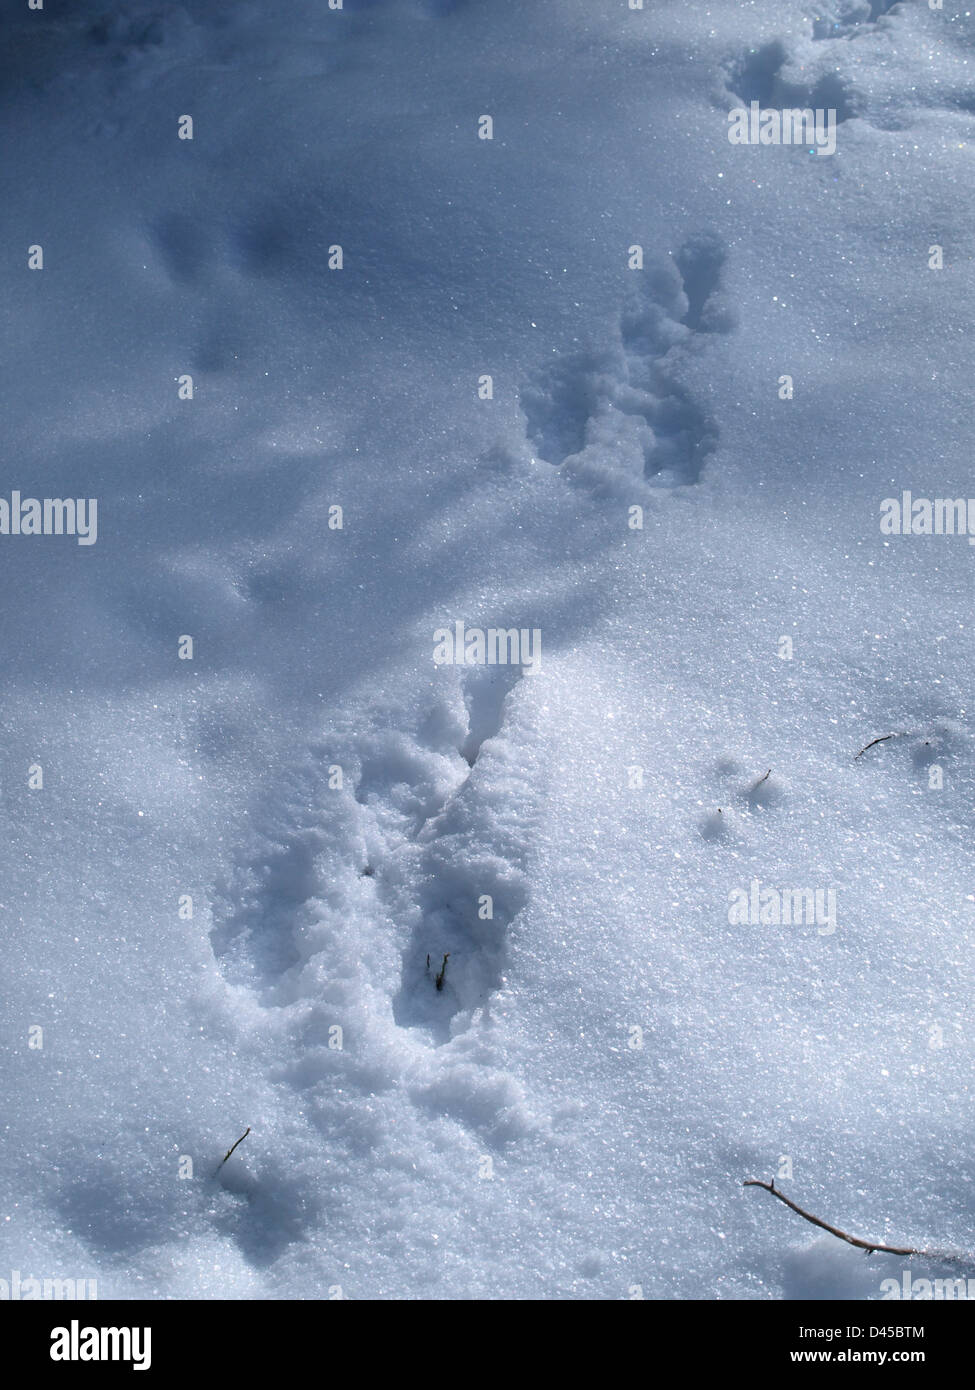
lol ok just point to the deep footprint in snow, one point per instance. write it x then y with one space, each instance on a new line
611 414
700 261
762 75
471 878
485 691
436 823
850 18
268 903
757 790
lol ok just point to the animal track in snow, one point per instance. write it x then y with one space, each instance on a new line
269 1210
608 414
700 261
183 247
451 866
269 900
436 822
809 79
763 75
736 789
469 879
850 18
756 790
485 692
122 35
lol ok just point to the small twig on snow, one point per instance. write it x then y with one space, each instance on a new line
882 739
869 1245
230 1150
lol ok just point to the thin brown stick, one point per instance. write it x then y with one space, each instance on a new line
883 739
230 1150
869 1245
756 785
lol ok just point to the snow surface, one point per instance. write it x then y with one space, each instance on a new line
616 1169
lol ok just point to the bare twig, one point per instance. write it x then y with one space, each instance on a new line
438 981
230 1150
755 785
869 1245
882 739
